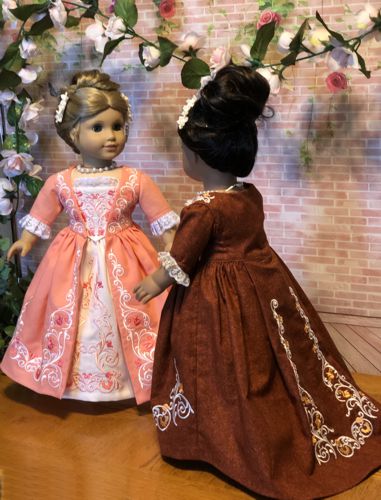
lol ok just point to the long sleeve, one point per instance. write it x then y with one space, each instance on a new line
156 208
44 211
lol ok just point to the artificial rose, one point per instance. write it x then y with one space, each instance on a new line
272 78
220 57
6 204
284 41
6 7
245 49
30 112
167 8
342 57
336 82
58 14
96 33
27 48
15 163
267 17
363 17
111 8
7 96
115 28
151 56
315 38
32 137
29 74
191 41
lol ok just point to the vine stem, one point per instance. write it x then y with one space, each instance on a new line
3 124
134 34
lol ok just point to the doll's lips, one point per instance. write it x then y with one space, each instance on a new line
110 146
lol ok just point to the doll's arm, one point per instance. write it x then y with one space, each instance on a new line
153 285
23 245
168 237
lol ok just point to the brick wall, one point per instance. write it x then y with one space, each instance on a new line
324 221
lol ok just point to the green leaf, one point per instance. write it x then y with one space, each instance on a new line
8 330
14 113
4 244
11 143
40 26
289 59
264 36
33 185
72 21
336 35
92 10
166 50
362 64
11 52
23 13
9 79
110 46
192 72
297 41
126 9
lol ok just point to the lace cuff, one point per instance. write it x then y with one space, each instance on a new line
35 226
173 269
166 221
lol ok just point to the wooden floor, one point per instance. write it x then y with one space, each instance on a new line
70 450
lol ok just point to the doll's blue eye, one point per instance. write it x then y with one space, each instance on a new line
117 127
97 127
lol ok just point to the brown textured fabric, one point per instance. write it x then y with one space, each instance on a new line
246 377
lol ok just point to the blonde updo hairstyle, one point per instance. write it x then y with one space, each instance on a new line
90 93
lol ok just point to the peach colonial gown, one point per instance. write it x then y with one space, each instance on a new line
81 334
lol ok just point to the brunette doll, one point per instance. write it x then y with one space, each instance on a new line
246 376
81 334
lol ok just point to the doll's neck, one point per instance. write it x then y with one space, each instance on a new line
96 163
214 180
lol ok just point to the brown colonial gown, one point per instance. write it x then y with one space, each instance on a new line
246 377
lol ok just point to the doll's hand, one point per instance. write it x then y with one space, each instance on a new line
23 245
147 290
153 285
19 246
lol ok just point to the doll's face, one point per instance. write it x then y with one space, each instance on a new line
102 137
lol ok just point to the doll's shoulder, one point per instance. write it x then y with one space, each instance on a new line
201 199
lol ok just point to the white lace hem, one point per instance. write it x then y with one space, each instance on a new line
165 222
35 226
173 269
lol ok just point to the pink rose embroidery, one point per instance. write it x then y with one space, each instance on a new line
135 320
336 82
167 8
267 17
148 343
61 319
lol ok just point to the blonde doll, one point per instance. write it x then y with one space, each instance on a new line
246 376
81 334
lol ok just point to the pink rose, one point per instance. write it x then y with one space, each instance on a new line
220 57
336 81
167 8
267 17
111 9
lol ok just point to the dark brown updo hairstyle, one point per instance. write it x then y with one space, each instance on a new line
90 93
221 125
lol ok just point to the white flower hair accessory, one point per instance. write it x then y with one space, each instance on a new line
61 107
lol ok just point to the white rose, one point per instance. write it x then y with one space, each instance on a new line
363 17
272 78
32 137
115 28
220 57
58 14
15 163
6 204
6 7
315 38
30 112
245 49
151 56
95 30
190 41
28 48
342 57
29 74
7 96
284 41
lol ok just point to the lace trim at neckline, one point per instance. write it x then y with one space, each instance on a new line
96 181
